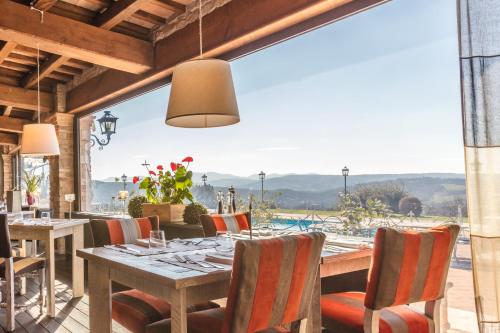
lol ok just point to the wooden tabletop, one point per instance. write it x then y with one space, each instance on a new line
160 271
54 224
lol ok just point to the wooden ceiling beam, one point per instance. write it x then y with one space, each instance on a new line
13 125
227 31
118 12
6 50
8 139
7 110
69 38
25 98
170 5
45 69
44 5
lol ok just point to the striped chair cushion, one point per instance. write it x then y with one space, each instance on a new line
409 266
225 222
135 310
344 312
208 321
23 265
123 231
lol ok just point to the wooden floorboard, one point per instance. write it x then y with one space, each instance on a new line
72 314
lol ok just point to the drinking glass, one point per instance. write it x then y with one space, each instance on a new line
157 239
45 216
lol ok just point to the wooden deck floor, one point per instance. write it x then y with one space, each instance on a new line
72 315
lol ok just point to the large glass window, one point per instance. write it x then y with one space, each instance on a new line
378 92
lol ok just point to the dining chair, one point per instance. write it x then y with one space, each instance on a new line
407 267
271 288
132 308
235 223
15 267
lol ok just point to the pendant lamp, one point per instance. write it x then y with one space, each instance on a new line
202 92
39 139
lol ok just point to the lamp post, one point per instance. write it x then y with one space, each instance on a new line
124 180
107 125
345 173
262 176
204 179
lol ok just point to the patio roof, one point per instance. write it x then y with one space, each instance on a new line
101 52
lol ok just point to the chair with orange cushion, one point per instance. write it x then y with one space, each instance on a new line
235 223
271 285
407 267
134 309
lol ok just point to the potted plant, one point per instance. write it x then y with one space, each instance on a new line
32 183
167 191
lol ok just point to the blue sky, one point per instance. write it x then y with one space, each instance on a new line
379 92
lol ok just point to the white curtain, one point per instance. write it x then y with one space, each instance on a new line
479 28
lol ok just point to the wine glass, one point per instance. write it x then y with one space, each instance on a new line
157 239
69 198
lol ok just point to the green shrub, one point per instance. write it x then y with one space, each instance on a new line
192 213
135 205
410 204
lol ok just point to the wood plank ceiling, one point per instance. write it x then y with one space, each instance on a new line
104 51
130 22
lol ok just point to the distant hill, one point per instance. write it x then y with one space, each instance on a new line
435 190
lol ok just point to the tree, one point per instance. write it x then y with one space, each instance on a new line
389 193
410 204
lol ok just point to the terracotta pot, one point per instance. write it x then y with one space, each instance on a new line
167 213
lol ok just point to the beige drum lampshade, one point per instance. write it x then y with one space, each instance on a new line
39 140
202 95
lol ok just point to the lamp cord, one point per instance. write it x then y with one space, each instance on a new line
200 22
32 7
38 79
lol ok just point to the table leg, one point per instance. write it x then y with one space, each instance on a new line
99 298
77 262
51 274
179 311
314 316
22 253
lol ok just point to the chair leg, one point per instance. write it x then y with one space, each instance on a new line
41 280
433 311
10 297
371 321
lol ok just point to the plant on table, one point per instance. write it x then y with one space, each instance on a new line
193 212
168 186
135 205
32 182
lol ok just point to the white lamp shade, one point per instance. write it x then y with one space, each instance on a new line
202 95
39 140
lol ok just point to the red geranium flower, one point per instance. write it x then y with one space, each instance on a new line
159 167
173 166
135 180
188 159
152 173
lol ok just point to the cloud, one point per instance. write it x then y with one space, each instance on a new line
278 148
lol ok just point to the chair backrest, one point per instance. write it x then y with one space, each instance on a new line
5 245
272 281
39 211
225 222
122 231
409 266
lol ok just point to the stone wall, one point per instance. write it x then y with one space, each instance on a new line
62 166
86 126
7 175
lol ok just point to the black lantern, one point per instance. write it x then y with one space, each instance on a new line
262 176
124 180
204 179
107 125
345 173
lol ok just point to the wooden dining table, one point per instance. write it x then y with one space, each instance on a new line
36 229
181 288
